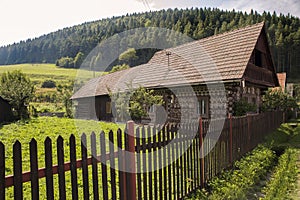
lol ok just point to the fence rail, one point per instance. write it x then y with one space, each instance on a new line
158 174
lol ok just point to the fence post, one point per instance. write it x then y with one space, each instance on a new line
230 139
249 145
130 163
201 152
2 171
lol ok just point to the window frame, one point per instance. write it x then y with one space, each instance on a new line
108 107
202 107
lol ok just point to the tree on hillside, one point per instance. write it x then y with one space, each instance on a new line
18 90
128 56
119 68
78 59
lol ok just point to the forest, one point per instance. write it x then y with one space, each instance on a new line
73 44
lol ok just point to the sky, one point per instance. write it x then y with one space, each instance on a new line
24 19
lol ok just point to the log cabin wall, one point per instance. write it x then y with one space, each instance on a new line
6 114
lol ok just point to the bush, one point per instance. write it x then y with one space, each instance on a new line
242 107
48 84
278 100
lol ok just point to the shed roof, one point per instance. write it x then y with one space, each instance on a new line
216 58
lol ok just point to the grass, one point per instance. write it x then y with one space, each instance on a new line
46 71
52 127
235 184
41 72
38 73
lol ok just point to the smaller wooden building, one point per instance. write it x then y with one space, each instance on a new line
6 114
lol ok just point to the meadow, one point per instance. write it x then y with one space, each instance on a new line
41 72
40 128
48 99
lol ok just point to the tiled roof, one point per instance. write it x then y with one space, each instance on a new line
220 57
282 80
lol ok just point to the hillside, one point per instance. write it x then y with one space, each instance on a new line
283 32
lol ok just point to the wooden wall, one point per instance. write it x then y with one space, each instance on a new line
5 111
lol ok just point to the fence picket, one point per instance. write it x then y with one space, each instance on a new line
73 167
85 175
34 170
168 138
103 166
112 166
150 163
160 165
17 159
94 166
49 172
138 161
61 170
122 179
145 196
2 171
155 159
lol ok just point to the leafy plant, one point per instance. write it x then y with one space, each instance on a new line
48 84
18 90
284 177
119 68
134 103
66 92
277 100
242 107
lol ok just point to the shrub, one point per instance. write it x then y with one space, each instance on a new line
242 107
48 84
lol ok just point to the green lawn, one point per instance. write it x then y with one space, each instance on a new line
40 128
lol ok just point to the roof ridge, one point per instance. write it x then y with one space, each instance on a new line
235 30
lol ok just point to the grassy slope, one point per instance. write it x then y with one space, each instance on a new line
38 73
41 72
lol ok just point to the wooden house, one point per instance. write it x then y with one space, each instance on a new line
240 59
6 114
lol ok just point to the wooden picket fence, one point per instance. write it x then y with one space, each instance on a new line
173 179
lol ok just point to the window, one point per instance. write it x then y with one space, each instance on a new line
152 109
108 107
202 107
258 58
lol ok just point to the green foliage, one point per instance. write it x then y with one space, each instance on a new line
297 92
242 107
66 62
48 84
18 90
283 34
283 179
119 68
234 184
65 92
278 100
140 100
40 128
78 60
128 56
